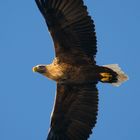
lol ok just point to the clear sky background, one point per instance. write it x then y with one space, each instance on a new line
26 98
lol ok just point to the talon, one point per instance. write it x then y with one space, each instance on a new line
105 77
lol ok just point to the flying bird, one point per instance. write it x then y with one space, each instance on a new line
74 69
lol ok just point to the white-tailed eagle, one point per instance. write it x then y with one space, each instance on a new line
74 69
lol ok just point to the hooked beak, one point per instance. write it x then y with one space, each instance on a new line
34 69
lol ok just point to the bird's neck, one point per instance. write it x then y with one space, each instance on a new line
55 71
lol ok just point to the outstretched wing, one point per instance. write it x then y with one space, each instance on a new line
71 27
75 112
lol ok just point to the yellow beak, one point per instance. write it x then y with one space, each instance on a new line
34 69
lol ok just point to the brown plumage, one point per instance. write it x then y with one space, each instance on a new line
74 69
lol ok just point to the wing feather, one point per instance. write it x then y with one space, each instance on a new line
75 112
71 27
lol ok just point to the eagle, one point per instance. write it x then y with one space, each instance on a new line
74 69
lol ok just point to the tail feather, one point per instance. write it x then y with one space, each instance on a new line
121 76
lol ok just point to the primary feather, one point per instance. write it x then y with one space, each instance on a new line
71 27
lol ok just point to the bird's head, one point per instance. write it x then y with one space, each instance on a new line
42 69
50 71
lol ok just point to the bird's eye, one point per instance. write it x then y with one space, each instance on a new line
41 67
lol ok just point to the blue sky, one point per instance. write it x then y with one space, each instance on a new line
26 98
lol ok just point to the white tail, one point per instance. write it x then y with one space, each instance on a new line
122 77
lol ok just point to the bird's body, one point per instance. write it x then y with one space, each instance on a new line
65 72
74 69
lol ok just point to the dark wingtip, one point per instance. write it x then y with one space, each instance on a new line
41 6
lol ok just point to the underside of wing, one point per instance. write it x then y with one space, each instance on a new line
71 27
75 112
